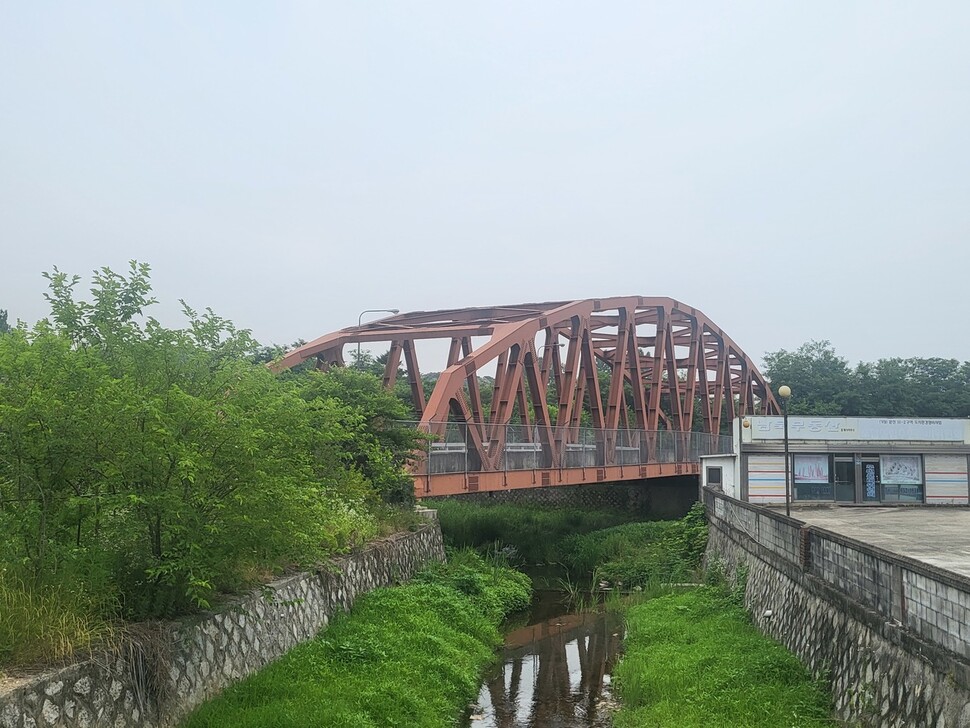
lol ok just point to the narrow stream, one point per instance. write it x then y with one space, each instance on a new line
554 671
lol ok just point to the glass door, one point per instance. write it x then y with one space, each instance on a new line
845 480
870 481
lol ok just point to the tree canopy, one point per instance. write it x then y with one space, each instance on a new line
823 383
157 466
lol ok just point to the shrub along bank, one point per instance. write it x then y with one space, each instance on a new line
145 470
641 554
601 542
405 656
538 533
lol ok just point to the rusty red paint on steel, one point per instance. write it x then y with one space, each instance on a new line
670 368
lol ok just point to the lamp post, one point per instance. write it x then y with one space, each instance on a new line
361 318
784 391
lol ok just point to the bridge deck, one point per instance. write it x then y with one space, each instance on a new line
939 536
517 456
437 484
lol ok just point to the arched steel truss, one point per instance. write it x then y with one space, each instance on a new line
668 368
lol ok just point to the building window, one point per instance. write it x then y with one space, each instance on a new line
714 477
812 477
902 478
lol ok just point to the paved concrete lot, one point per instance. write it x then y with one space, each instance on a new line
938 536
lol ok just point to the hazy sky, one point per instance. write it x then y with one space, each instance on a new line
795 171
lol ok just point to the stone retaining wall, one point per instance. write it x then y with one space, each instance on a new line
835 608
156 680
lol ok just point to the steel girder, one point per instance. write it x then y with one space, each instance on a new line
667 365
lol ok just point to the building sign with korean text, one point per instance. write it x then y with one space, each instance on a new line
843 429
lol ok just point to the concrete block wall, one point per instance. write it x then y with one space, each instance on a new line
878 677
931 602
859 572
938 610
193 660
888 633
777 533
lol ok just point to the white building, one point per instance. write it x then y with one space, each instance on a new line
845 460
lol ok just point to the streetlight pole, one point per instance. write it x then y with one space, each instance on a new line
784 391
360 320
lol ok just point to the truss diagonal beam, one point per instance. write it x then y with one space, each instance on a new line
652 363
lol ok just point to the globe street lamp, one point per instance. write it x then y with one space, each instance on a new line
784 391
361 318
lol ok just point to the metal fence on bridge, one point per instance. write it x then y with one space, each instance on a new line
451 448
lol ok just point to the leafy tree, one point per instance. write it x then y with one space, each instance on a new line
943 386
886 388
823 384
372 438
917 387
4 325
821 381
159 466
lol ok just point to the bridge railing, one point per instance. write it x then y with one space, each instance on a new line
453 447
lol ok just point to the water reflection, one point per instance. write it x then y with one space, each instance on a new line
554 672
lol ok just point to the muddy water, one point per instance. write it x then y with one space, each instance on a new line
554 670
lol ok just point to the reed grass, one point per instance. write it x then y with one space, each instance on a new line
47 624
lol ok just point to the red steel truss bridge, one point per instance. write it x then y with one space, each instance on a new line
561 393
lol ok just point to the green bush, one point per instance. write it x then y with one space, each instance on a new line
537 533
638 554
493 587
372 440
162 466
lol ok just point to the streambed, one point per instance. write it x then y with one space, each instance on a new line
554 669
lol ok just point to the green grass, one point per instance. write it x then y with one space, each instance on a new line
494 588
405 656
695 660
537 533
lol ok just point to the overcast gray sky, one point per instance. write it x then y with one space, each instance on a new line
795 171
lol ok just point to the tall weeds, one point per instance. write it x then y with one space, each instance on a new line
538 533
641 555
47 624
